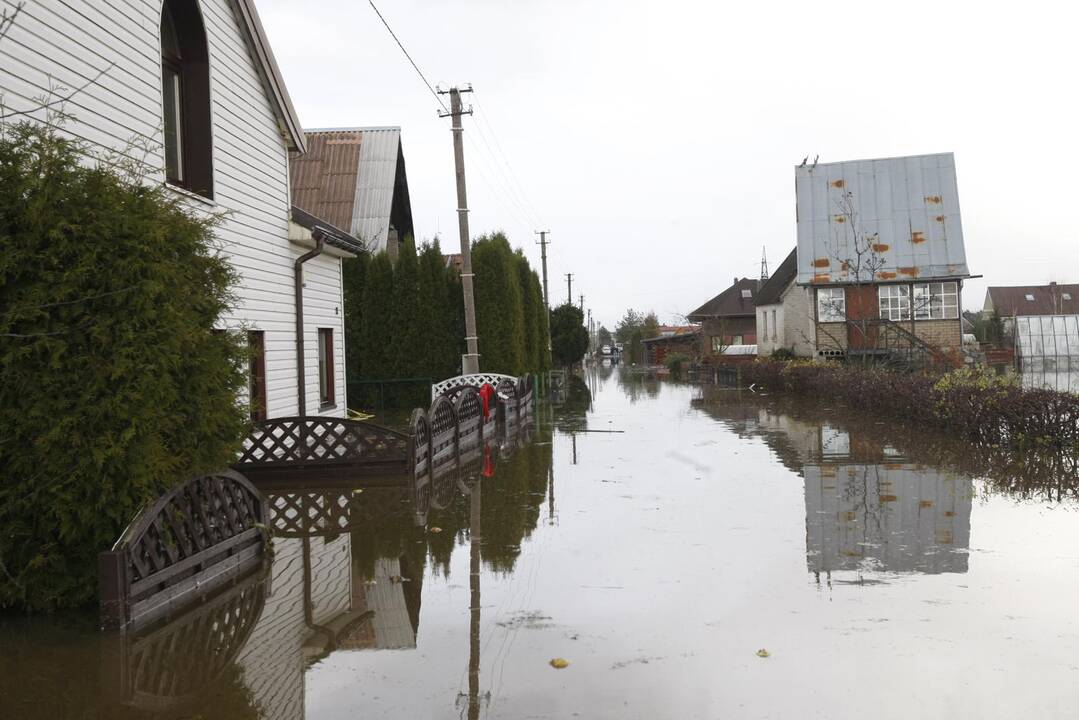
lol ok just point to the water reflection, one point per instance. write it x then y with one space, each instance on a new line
869 506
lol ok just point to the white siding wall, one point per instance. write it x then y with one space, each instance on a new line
793 327
66 44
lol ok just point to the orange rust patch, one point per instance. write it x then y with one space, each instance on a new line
917 236
940 218
886 275
848 515
880 247
933 199
839 219
949 513
926 504
821 262
888 498
845 265
821 278
909 271
837 183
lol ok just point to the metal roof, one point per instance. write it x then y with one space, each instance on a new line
349 177
902 214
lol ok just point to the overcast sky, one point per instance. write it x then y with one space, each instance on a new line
657 140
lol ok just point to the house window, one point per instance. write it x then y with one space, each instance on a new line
1066 296
936 301
736 340
325 367
764 315
1030 297
775 328
185 97
831 305
717 344
894 302
256 374
747 294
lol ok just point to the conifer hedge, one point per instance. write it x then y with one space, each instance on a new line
113 387
406 319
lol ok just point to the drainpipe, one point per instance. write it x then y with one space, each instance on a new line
301 389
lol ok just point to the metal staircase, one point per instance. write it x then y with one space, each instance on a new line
889 344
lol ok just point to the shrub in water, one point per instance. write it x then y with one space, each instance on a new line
112 386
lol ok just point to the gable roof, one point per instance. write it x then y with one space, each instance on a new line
729 303
772 290
1048 300
355 178
270 74
909 206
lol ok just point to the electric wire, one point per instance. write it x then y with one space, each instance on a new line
414 65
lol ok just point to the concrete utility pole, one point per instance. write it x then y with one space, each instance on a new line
582 303
543 242
470 361
569 288
546 297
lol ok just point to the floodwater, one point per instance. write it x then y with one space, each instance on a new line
657 536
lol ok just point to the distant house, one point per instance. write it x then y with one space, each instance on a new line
729 318
785 312
684 340
355 178
1044 322
1026 300
880 246
194 84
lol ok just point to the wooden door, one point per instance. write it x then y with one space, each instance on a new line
862 304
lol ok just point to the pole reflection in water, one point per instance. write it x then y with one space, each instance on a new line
475 539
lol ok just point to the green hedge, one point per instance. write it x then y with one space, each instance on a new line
112 386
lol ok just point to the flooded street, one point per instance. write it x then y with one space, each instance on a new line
656 536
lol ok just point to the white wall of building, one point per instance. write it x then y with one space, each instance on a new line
57 44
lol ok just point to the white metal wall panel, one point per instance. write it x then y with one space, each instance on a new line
909 205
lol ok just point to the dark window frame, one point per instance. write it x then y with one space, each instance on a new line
327 396
256 368
193 124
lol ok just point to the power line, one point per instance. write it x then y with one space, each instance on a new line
414 65
483 115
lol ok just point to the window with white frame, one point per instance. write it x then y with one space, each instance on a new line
765 316
831 305
894 302
936 301
775 328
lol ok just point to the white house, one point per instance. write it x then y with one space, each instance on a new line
785 317
195 81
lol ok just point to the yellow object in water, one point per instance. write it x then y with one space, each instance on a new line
559 663
358 415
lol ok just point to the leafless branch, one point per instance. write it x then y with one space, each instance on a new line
7 18
46 104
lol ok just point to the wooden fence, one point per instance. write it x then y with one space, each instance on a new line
190 542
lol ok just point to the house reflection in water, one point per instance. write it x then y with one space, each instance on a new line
869 507
320 602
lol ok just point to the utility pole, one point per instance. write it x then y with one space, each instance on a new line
569 288
546 297
582 304
543 242
470 362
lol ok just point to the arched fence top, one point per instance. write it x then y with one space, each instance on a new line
470 417
188 542
475 380
419 430
443 419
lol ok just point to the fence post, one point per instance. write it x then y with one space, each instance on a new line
113 580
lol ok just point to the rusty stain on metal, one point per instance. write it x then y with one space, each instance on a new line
845 266
888 498
939 218
837 183
917 236
822 278
949 513
849 515
821 262
840 219
885 275
880 247
925 504
910 271
933 199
